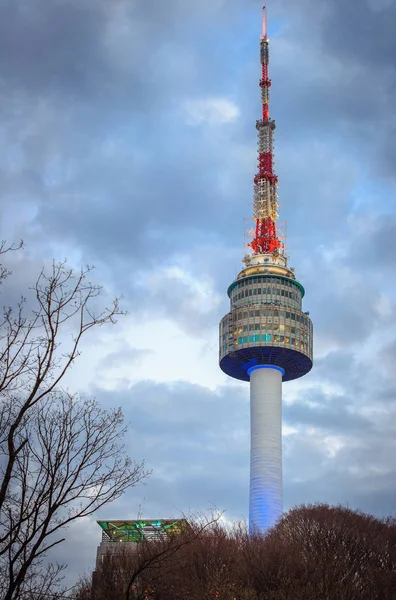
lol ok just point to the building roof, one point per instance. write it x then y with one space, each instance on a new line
141 529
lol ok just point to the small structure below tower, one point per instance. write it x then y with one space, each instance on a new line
120 537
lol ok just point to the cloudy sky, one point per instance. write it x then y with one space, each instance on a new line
128 140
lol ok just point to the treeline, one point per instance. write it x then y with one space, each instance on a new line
314 553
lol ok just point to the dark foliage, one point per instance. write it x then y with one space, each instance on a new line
314 553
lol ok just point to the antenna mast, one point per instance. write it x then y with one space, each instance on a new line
264 32
265 211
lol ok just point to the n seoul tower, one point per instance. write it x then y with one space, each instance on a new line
266 338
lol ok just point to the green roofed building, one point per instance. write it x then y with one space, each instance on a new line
140 530
120 535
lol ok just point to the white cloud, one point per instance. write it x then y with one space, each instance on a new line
379 5
210 111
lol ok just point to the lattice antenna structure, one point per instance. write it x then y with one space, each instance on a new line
265 204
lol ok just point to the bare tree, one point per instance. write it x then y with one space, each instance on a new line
4 249
83 588
61 456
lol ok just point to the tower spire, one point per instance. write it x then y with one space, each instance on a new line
264 30
265 205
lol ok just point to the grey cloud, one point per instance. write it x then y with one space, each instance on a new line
176 411
45 46
377 245
340 298
356 34
386 361
127 355
357 45
196 442
361 474
328 414
375 495
337 366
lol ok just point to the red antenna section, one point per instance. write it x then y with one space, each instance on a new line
265 212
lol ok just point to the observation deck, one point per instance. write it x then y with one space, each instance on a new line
266 324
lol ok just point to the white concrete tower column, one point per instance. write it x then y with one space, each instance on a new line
266 501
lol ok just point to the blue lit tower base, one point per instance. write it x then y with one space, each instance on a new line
266 338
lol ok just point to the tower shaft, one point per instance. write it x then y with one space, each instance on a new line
265 498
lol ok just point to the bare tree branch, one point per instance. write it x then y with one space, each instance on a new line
61 456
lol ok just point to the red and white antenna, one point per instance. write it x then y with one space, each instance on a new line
265 205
